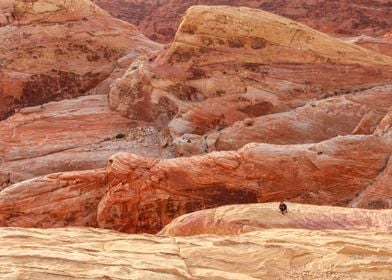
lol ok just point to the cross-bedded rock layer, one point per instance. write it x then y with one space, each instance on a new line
137 194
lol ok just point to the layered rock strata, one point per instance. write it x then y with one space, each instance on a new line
74 134
269 254
51 50
213 76
137 194
159 20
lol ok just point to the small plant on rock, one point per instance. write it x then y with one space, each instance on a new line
120 136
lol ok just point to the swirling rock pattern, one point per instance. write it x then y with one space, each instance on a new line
136 194
269 254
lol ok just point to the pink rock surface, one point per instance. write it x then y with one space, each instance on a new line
51 50
69 135
237 219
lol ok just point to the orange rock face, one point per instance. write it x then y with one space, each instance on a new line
51 50
237 219
137 194
159 20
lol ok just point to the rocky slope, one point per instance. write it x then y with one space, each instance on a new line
236 219
74 134
279 111
52 50
159 19
199 86
269 254
211 77
316 121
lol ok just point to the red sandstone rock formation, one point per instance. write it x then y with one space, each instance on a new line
159 19
136 194
213 76
237 219
51 50
388 36
379 194
209 79
317 121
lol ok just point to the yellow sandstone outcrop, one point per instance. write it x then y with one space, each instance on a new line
76 253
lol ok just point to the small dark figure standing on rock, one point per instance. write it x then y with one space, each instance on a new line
283 208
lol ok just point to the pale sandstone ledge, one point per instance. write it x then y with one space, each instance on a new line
75 253
237 219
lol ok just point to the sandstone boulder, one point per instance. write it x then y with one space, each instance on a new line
315 122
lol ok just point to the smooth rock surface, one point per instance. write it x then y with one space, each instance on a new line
237 219
77 253
381 44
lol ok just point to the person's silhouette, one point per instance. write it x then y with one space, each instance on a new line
283 208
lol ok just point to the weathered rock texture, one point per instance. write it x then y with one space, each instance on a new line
382 45
159 19
51 50
74 134
269 254
316 121
379 194
264 79
137 194
236 219
213 76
